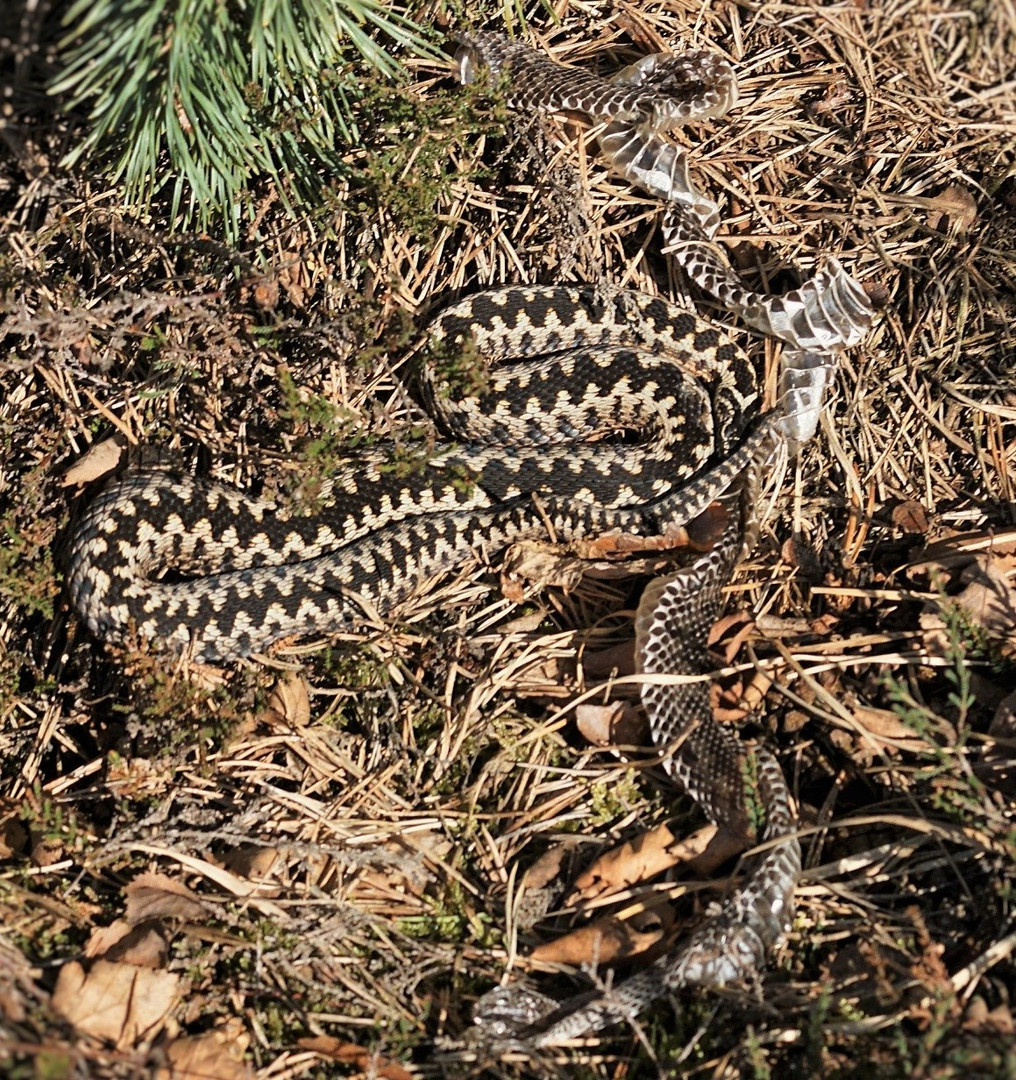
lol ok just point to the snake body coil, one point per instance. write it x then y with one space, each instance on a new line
211 572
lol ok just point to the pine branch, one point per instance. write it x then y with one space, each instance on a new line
200 98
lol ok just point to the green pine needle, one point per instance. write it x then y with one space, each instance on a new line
200 98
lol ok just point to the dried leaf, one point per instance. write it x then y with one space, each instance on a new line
103 938
886 732
988 598
837 93
955 207
16 983
794 720
231 882
145 945
607 663
154 896
289 701
96 461
218 1055
729 633
980 1019
14 837
265 293
543 884
651 853
251 861
605 941
547 867
961 550
614 544
372 1064
121 1003
618 724
997 769
911 517
531 565
293 277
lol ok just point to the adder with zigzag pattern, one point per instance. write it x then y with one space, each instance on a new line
569 366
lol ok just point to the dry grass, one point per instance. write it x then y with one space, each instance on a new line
354 852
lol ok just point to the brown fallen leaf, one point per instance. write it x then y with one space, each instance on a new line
729 633
538 564
121 1003
147 945
46 850
988 598
979 1018
614 544
954 207
17 986
959 550
548 866
606 941
543 884
154 896
606 663
885 732
700 534
911 517
371 1063
837 93
289 701
534 565
217 1055
997 768
651 853
618 724
264 291
635 860
294 277
96 461
251 861
14 837
144 945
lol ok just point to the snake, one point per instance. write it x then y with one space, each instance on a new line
605 413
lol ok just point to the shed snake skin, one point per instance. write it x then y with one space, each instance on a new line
829 313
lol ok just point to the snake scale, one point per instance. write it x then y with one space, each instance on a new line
606 412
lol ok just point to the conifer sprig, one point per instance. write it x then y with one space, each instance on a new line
201 97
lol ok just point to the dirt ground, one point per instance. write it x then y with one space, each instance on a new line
313 866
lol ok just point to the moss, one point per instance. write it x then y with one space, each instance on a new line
613 798
27 574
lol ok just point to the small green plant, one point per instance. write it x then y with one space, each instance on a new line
173 712
754 804
55 822
27 576
760 1067
450 920
946 734
417 150
610 799
454 370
